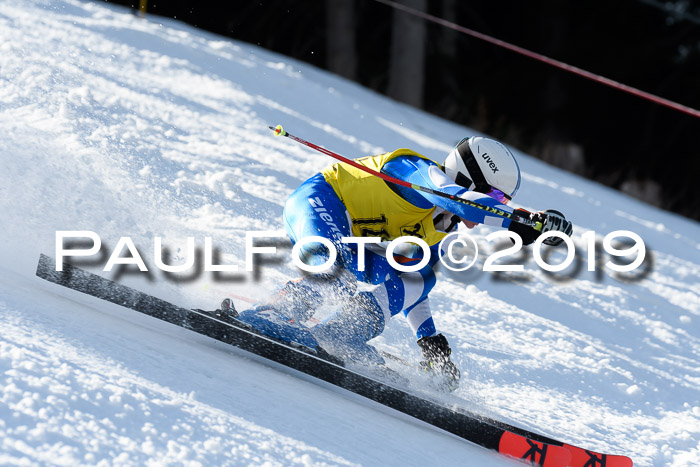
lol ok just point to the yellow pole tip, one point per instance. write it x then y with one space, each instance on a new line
279 130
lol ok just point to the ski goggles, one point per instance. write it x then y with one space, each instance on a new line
497 194
483 187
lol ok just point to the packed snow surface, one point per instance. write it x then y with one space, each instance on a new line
144 128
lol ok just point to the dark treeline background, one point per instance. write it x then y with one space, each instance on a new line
623 141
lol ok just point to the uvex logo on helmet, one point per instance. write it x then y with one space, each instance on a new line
490 162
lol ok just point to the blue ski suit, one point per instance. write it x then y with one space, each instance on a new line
315 209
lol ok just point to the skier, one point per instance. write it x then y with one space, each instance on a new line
343 201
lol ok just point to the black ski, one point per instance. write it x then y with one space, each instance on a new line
492 434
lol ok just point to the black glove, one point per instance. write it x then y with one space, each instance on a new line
549 219
436 357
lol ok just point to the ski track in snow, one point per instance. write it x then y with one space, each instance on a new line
147 127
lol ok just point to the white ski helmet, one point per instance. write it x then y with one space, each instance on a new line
480 164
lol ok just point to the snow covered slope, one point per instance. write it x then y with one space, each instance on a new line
145 128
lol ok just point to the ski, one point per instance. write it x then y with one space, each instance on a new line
512 441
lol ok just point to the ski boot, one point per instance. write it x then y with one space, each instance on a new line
228 309
436 362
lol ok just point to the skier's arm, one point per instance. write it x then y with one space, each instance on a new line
424 172
419 171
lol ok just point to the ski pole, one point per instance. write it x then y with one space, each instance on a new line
279 131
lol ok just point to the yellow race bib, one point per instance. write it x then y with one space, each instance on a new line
375 209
